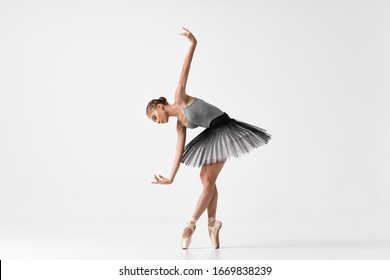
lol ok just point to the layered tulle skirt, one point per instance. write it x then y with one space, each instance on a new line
225 138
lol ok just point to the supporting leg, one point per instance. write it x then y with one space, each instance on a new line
209 195
212 207
208 176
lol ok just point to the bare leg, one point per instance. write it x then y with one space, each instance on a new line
212 208
208 176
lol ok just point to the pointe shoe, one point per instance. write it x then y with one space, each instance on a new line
214 233
185 242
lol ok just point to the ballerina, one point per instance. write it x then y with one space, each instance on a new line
222 138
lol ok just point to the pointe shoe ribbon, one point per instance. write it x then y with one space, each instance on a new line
214 228
185 242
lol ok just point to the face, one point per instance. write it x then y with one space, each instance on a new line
159 115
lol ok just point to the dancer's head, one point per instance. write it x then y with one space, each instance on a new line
156 112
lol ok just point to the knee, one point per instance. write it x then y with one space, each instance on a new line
207 180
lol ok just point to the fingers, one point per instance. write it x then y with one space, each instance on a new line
160 180
185 33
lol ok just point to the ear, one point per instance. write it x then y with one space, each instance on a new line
160 106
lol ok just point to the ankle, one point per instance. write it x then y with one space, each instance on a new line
211 221
191 223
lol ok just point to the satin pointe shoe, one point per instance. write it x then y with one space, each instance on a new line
214 233
185 242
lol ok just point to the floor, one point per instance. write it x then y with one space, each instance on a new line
147 242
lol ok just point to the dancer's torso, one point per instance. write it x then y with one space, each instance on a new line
200 113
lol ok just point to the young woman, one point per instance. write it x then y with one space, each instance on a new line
223 137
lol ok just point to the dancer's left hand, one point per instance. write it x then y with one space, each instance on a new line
162 180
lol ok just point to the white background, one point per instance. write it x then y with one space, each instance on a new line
76 147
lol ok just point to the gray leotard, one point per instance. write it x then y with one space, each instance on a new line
200 113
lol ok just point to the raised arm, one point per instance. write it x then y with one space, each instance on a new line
181 87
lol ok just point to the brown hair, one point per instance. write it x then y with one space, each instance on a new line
153 104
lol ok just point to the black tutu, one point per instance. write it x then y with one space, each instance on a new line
224 138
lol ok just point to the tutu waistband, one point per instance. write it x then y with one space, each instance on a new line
220 121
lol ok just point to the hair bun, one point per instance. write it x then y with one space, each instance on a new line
152 104
163 100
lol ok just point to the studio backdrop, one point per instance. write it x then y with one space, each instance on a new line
76 147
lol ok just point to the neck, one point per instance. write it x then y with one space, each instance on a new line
172 110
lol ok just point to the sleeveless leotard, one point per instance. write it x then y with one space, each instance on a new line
200 113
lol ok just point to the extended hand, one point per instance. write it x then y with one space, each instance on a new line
162 180
189 35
